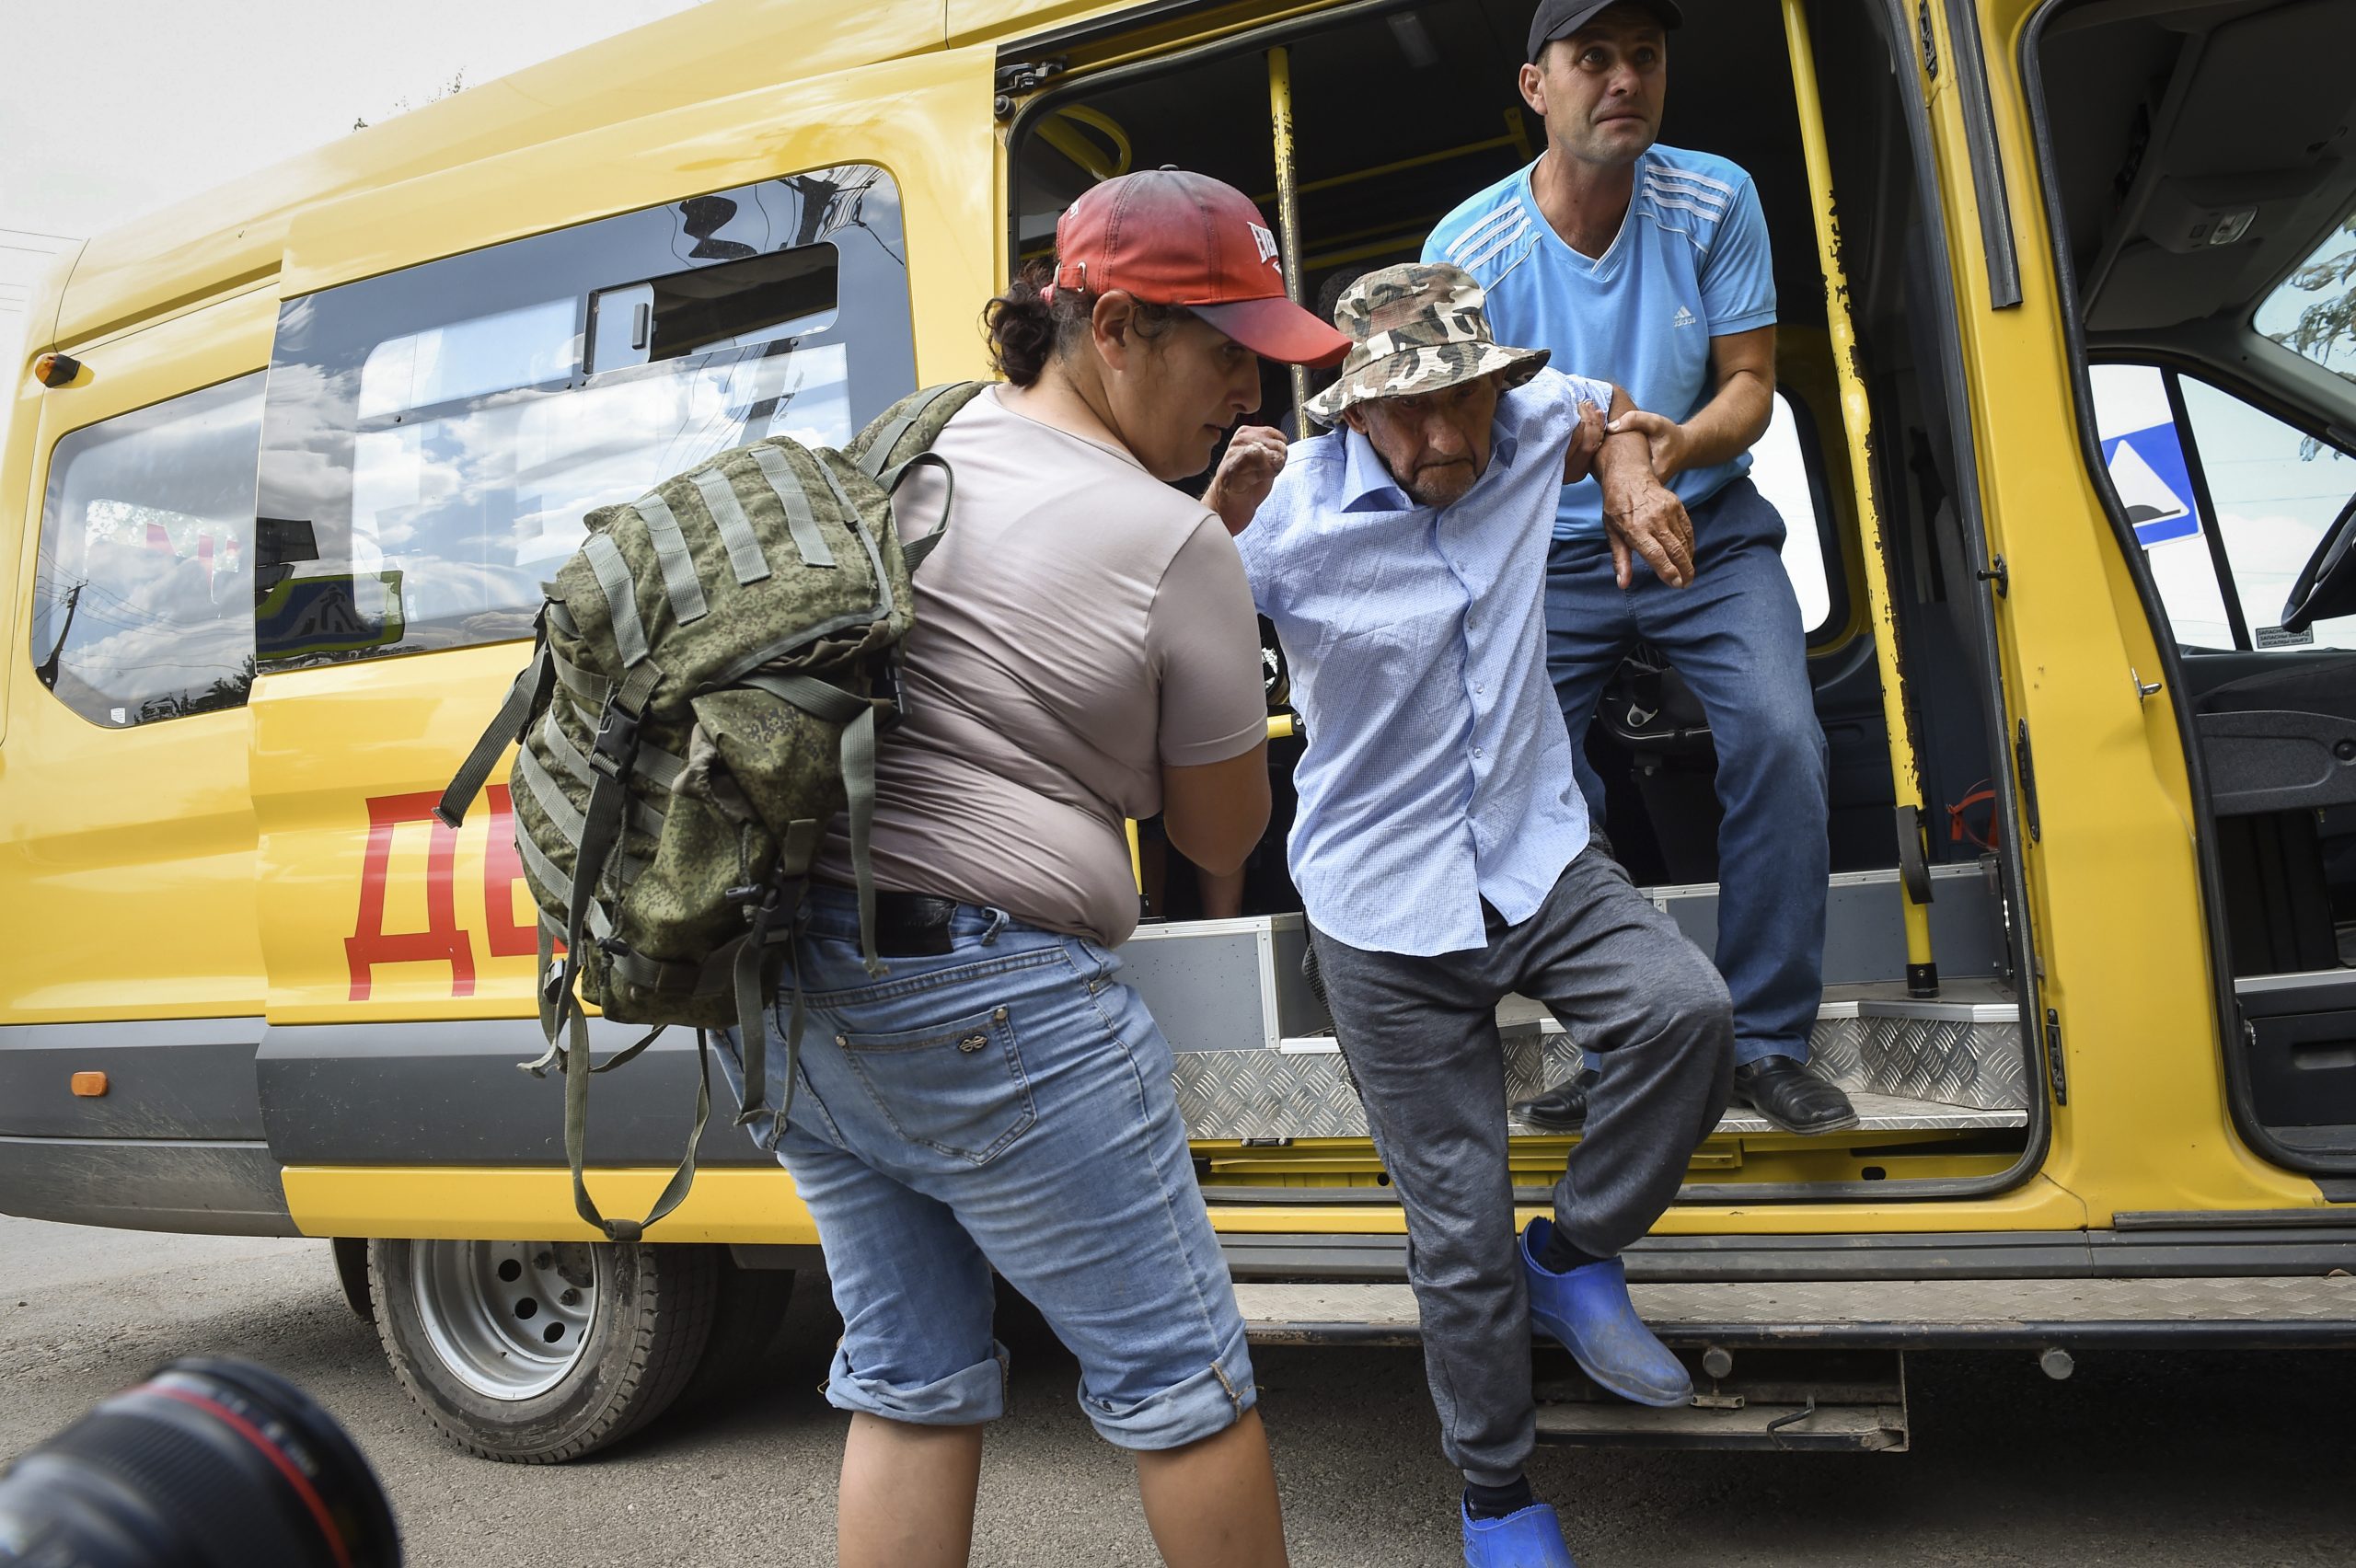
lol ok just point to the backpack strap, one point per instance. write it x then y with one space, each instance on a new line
915 553
613 759
857 716
878 456
744 557
525 697
577 1069
799 521
679 580
605 559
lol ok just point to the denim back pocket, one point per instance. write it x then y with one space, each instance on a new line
956 1088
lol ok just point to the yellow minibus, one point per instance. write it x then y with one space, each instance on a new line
2066 438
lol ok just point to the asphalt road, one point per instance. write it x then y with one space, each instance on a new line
2153 1461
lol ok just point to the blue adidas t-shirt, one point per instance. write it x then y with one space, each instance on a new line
1691 263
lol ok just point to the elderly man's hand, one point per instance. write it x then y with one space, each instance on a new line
1587 440
1647 519
1255 455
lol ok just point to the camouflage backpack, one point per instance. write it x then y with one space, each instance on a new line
711 671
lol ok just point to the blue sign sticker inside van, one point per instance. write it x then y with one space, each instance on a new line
2147 469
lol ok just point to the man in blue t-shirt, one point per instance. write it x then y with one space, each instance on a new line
1648 266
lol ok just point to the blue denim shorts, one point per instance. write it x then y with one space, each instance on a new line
1005 1105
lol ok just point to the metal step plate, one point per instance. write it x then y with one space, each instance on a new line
1956 1063
1254 1056
2273 1312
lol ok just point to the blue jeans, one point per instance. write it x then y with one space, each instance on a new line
1736 637
1004 1105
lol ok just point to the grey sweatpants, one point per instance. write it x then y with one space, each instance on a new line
1420 1035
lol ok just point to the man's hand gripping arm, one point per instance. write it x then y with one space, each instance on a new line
1641 516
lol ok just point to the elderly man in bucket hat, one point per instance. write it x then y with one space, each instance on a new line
1443 854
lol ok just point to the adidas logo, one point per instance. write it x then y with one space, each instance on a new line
1684 318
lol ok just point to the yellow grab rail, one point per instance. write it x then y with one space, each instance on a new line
1287 197
1856 418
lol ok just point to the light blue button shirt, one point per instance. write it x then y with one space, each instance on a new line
1438 769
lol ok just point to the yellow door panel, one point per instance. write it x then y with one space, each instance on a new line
127 853
370 908
2113 884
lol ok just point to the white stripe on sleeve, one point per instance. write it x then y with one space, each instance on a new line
1661 200
1488 226
1710 203
1504 241
1673 172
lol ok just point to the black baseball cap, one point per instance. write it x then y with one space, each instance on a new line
1560 19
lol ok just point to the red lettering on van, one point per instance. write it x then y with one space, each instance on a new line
501 870
442 942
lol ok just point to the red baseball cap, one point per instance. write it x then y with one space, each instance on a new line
1172 238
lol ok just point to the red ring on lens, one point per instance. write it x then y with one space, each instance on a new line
295 1478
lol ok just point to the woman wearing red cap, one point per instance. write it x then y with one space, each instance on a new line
1085 652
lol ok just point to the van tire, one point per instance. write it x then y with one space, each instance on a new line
352 1272
648 1320
747 1325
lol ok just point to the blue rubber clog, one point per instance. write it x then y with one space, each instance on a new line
1527 1538
1589 1310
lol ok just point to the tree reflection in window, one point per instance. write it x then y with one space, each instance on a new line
142 592
2312 312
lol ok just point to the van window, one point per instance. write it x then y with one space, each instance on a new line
2224 561
2313 311
1783 468
142 601
434 437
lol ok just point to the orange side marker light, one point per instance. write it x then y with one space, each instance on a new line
89 1086
56 370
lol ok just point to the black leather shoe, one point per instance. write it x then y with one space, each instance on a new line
1562 1109
1793 1099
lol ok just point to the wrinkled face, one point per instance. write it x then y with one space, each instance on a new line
1600 90
1436 444
1175 387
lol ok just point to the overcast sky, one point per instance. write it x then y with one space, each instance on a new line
114 108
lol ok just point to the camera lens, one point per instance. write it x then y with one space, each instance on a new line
207 1464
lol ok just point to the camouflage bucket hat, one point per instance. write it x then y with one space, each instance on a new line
1415 329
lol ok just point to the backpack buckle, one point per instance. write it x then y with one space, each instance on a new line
886 688
617 743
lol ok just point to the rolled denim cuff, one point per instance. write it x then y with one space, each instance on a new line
965 1398
1201 1406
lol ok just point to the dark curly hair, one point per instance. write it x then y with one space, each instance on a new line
1027 330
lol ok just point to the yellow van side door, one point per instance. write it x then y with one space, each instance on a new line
467 364
126 883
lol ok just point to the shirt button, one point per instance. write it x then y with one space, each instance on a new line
1478 752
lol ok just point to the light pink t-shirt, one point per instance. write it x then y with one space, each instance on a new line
1081 625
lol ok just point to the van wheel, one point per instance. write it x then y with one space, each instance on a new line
747 1324
352 1272
539 1352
